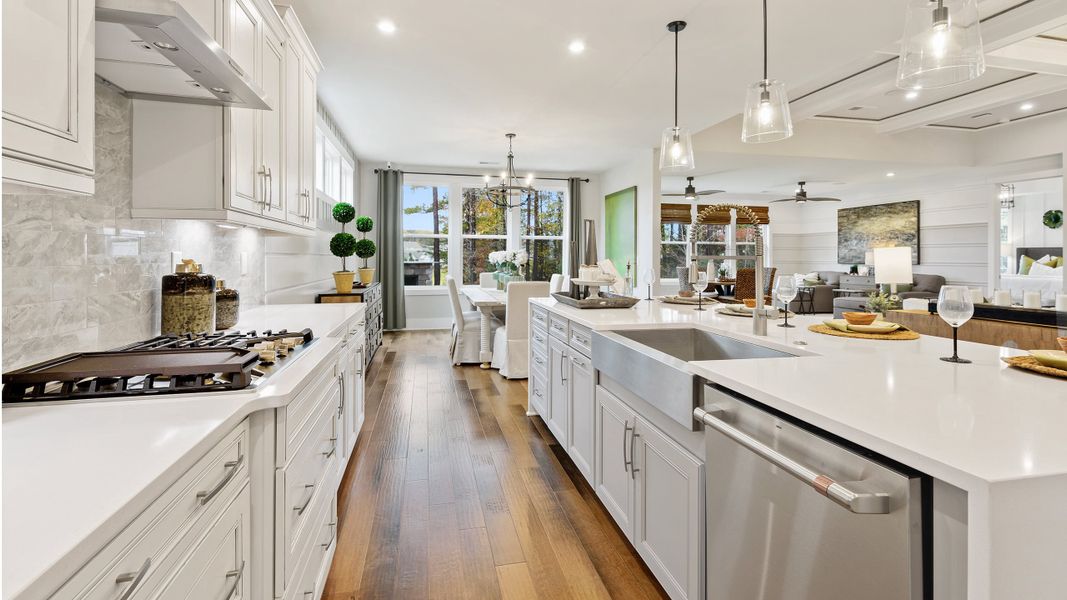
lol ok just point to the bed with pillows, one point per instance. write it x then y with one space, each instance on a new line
1039 270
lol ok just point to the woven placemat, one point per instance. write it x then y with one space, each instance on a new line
1030 363
900 334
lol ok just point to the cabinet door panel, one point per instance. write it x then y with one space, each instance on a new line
308 108
558 390
669 512
243 43
272 146
582 419
294 199
614 483
48 104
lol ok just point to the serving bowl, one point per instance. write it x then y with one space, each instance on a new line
859 318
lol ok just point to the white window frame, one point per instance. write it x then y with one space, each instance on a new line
513 235
446 237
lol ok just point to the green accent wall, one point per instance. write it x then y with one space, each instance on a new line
620 228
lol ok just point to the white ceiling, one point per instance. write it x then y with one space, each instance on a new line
456 75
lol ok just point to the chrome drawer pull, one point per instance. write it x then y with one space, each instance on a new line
134 579
633 458
578 362
626 463
333 536
863 502
232 467
537 359
300 509
581 340
538 393
333 448
236 575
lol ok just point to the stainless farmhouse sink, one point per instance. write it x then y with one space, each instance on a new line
652 363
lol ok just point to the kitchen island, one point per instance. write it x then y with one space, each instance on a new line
987 434
78 475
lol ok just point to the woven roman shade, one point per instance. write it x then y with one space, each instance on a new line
723 217
675 213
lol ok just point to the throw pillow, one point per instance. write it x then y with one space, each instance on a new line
1056 261
901 288
1025 262
813 282
1039 269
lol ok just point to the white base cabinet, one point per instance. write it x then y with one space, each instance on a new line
581 420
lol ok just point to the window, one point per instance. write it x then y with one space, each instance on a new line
425 234
457 239
715 235
673 249
347 191
485 229
542 228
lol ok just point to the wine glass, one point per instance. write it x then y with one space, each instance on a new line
785 289
650 279
954 306
701 285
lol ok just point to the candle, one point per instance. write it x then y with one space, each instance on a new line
1002 297
1061 302
1032 300
977 297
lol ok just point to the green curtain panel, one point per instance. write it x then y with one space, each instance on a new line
574 190
391 247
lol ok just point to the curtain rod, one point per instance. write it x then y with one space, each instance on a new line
586 180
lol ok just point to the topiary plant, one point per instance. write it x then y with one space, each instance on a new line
365 249
343 212
343 245
364 225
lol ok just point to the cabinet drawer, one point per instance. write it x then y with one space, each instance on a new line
539 362
218 566
295 419
302 486
315 556
539 394
558 327
169 525
539 316
581 339
539 339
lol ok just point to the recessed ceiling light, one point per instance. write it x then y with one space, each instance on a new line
387 27
913 94
890 174
576 47
1026 106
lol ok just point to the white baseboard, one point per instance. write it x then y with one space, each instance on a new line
428 323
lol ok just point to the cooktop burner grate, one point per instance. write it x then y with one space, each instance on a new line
215 362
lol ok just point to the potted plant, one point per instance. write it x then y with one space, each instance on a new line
343 245
365 249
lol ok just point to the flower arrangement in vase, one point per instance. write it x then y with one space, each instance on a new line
508 265
343 245
881 302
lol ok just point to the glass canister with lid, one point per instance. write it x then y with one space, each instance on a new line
227 306
188 304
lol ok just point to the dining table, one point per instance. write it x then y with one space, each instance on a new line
487 301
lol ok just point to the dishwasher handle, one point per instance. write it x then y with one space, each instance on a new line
857 501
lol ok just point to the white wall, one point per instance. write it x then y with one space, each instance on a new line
954 234
641 171
1032 200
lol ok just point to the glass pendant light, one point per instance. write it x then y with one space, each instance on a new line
942 44
676 147
766 117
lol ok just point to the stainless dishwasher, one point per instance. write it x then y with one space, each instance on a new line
793 514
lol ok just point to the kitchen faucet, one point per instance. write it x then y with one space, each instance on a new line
760 313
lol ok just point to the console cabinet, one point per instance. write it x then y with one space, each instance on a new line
49 63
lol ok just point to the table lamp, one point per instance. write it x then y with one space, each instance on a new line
868 259
892 266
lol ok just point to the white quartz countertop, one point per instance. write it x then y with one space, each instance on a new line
75 474
969 425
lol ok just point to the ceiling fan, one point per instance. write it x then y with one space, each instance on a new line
691 192
802 196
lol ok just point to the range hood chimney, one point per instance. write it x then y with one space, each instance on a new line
154 50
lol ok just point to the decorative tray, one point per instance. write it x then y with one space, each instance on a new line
607 300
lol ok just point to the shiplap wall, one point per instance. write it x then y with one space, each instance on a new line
953 235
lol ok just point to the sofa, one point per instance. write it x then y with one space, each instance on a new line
923 285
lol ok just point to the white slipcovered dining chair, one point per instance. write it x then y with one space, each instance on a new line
511 344
555 283
466 329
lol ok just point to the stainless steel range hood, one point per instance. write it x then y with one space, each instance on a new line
154 50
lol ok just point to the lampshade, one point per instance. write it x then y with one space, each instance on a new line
766 117
868 258
892 265
942 44
676 151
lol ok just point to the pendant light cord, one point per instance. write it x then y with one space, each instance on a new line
676 78
765 40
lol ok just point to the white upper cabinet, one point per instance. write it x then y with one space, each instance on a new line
238 165
48 54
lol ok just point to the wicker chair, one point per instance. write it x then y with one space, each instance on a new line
746 286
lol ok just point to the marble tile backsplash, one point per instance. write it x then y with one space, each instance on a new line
80 274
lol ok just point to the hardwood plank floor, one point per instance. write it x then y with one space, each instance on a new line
454 492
